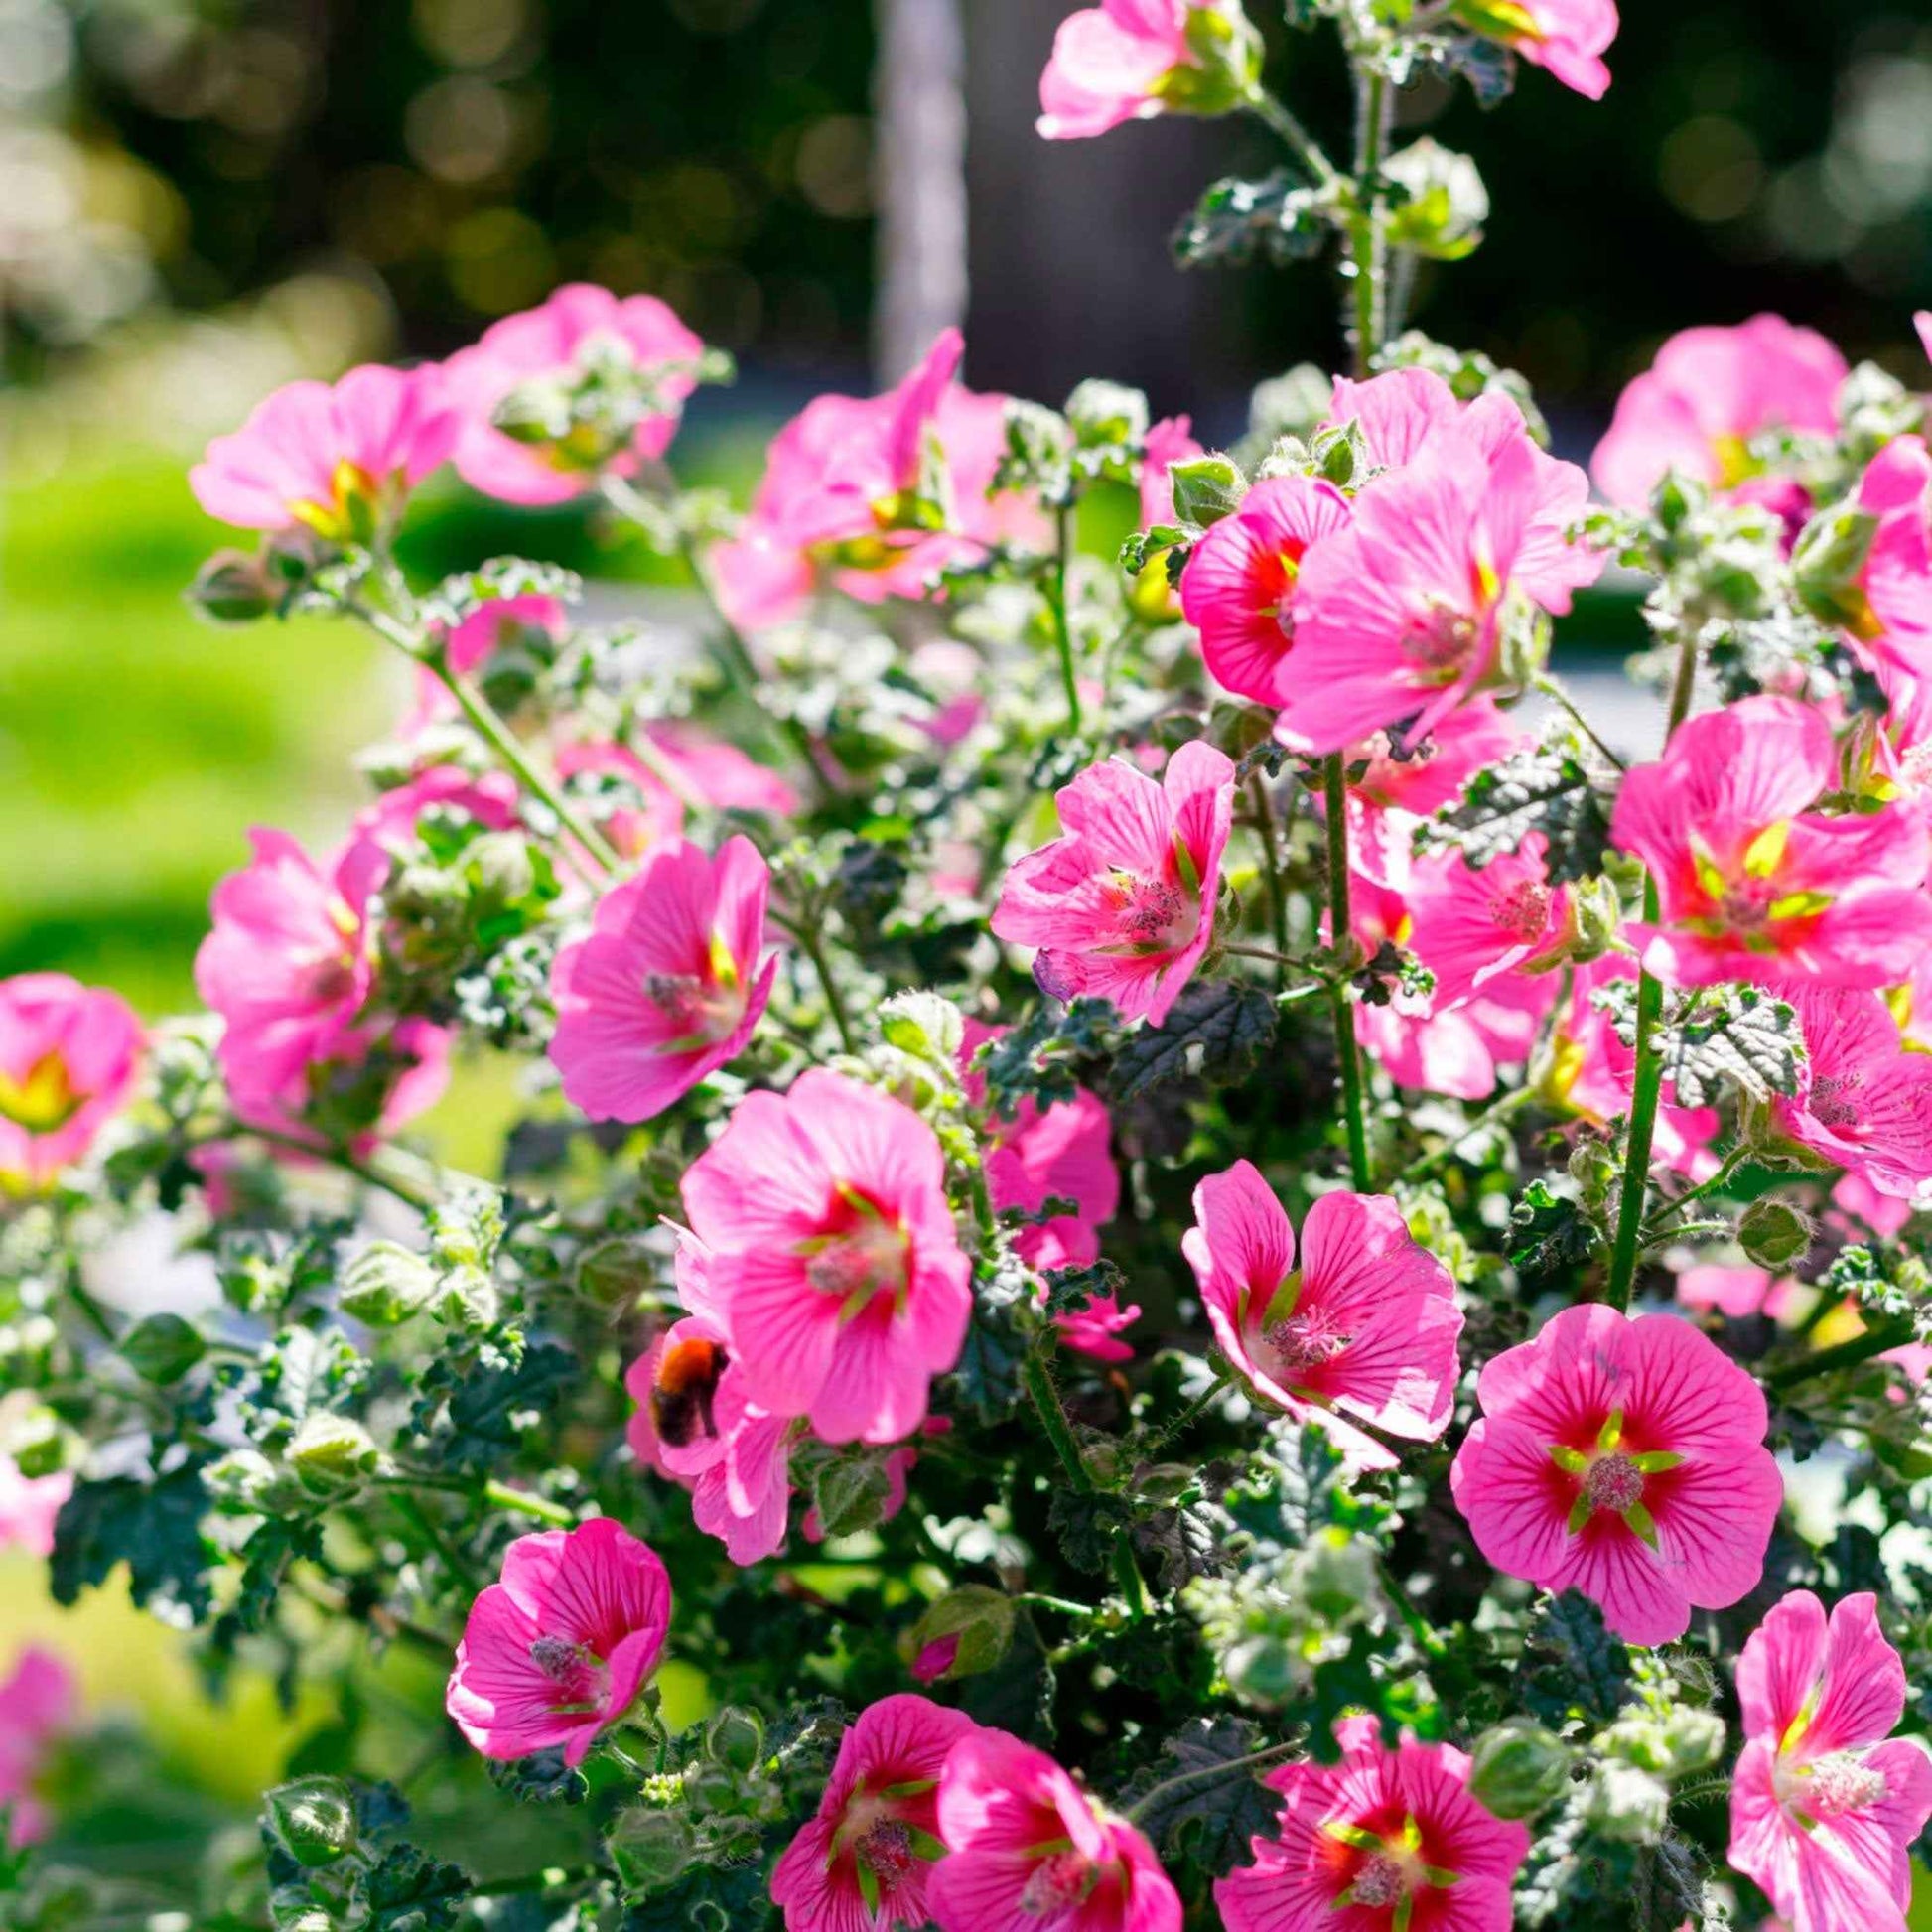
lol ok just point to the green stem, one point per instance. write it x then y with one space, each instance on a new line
1208 1773
526 1504
1892 1334
1133 1585
419 1519
1731 1163
1425 1639
1197 1407
1340 937
1271 861
1369 234
1063 624
1064 1606
811 946
1294 136
1498 1109
1038 1379
1554 691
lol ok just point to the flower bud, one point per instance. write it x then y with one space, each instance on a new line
1517 1767
312 1820
332 1453
1627 1804
851 1494
978 1618
1827 560
162 1349
1445 202
923 1025
1227 63
650 1849
734 1736
1335 1575
1107 412
386 1283
232 587
1206 488
1775 1234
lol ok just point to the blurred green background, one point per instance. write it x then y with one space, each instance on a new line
199 201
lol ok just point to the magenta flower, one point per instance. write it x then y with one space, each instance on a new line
578 324
1709 392
1238 584
1168 442
39 1700
1459 1050
1626 1459
1893 621
339 460
1360 1327
1565 38
1401 613
491 798
1121 904
288 964
1030 1850
849 495
825 1212
695 1425
1110 64
667 987
1753 882
1822 1809
1382 1839
69 1056
558 1648
1393 792
864 1863
1865 1102
29 1506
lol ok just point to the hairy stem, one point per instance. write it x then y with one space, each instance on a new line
1369 233
1340 933
813 949
1063 624
1294 136
1046 1399
1894 1333
525 1504
1270 872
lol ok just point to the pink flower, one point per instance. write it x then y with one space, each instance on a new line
336 461
1237 586
558 1648
38 1700
1470 926
1458 1051
1708 394
695 1424
493 626
1822 1809
865 1861
847 492
1110 64
1567 38
1891 618
29 1506
577 327
491 798
1626 1459
672 766
825 1209
1751 883
1865 1101
1401 611
1121 904
1383 1838
1030 1850
1361 1328
69 1056
1737 1293
1166 443
667 987
288 964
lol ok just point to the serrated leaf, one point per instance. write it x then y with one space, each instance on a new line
155 1528
1737 1037
543 1778
1185 1542
491 1408
1548 789
1276 219
1572 1665
411 1892
1549 1233
1211 1819
1214 1031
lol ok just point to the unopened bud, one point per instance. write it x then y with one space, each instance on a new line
1517 1767
1107 412
1206 488
981 1621
1775 1234
734 1736
312 1820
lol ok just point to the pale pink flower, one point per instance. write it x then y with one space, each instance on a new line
1892 618
1626 1459
29 1506
1382 1837
69 1056
864 1861
489 628
1751 883
1738 1292
1359 1327
1121 904
1238 585
1822 1809
1401 613
558 1648
1860 1209
1709 393
491 798
339 460
825 1209
1864 1100
1030 1850
668 985
577 326
1110 64
1565 38
289 963
38 1700
695 1425
847 497
672 766
1168 442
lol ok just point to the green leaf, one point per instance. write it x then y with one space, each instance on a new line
1572 1665
1737 1037
1210 1820
155 1528
1550 1234
543 1778
490 1408
709 1899
1274 220
410 1891
1547 788
1214 1031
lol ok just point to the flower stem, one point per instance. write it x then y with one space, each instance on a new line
1063 624
1882 1335
811 946
1197 1407
526 1504
1293 135
1347 1053
1369 234
1127 1573
1208 1773
1271 863
1038 1379
1731 1163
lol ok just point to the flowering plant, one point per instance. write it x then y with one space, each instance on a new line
1168 1250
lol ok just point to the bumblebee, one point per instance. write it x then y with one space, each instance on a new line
684 1388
